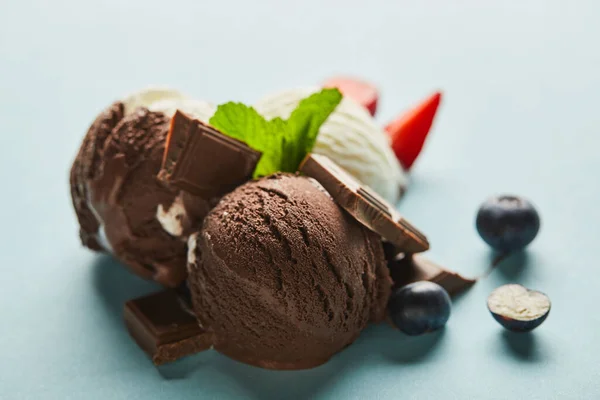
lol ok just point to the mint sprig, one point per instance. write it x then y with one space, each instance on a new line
284 143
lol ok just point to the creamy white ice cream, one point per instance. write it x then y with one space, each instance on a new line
168 101
351 138
192 243
172 219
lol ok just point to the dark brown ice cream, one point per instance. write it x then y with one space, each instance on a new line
121 206
283 277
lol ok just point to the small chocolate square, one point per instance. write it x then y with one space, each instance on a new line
203 161
161 325
365 205
409 268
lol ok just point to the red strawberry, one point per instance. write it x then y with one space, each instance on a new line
360 91
409 131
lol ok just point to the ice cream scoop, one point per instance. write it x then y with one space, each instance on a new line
351 138
283 277
121 206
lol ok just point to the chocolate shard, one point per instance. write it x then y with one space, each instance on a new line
365 205
161 325
410 268
203 161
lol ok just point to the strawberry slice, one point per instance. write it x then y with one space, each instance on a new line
364 93
409 131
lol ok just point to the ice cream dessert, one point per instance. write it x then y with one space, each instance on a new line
121 206
351 138
284 272
283 277
124 207
286 256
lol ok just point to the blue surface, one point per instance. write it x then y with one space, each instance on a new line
520 114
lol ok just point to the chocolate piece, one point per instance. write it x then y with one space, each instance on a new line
203 161
364 204
162 327
406 269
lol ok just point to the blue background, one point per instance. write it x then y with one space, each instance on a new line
520 114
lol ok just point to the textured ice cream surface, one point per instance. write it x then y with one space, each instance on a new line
351 138
117 196
283 276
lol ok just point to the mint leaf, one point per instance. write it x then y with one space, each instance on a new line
239 121
306 120
247 125
284 144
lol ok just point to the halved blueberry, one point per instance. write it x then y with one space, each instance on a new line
517 308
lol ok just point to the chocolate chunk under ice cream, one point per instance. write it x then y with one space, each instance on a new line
283 277
121 206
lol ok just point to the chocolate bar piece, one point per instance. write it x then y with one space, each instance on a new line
365 205
161 326
406 269
203 161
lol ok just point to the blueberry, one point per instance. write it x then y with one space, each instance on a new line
507 223
419 307
517 308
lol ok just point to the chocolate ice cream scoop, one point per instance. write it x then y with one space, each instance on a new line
121 206
283 277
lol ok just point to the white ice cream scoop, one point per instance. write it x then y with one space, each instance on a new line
351 138
168 100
